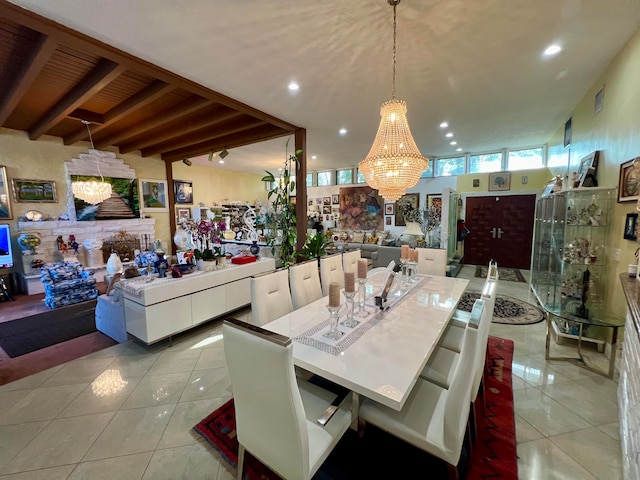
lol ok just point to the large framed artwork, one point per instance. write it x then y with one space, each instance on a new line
629 181
183 191
588 166
154 195
360 209
5 202
38 191
409 201
124 201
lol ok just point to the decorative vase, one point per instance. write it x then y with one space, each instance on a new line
254 248
181 238
114 264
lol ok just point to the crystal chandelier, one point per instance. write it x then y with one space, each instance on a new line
92 191
394 162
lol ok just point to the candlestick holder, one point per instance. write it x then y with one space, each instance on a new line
411 272
362 293
333 333
404 265
350 322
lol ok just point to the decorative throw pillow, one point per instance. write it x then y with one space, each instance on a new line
368 234
372 240
358 237
380 238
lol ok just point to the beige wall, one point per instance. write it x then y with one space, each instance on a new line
615 131
44 159
535 179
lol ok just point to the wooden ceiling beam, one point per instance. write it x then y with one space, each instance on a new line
203 135
259 134
182 109
104 73
151 92
24 77
170 132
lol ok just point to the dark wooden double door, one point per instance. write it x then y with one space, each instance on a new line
501 230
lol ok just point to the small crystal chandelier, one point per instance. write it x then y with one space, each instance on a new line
92 191
394 162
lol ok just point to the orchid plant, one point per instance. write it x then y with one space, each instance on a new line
207 237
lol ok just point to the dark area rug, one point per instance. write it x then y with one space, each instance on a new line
508 274
507 310
494 456
25 335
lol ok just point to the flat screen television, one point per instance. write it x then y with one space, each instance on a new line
6 253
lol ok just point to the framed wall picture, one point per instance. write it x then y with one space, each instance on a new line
5 202
38 191
184 213
387 220
183 191
567 133
154 195
499 181
335 199
548 189
629 181
587 166
388 208
327 200
407 201
326 209
630 226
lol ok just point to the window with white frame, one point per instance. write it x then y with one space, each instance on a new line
344 177
446 167
360 177
525 159
309 180
485 162
325 178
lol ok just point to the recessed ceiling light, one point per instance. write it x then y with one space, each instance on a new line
444 125
449 135
294 87
453 143
313 157
458 149
552 50
343 131
221 161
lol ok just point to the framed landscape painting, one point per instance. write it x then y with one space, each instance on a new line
39 191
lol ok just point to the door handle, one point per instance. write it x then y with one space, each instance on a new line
493 232
500 232
496 232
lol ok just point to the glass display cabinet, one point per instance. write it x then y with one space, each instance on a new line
568 265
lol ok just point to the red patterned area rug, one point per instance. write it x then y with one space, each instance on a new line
494 456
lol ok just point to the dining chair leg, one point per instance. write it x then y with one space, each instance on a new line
240 461
362 425
453 473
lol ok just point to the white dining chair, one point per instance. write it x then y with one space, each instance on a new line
432 419
432 261
304 280
350 261
443 362
331 271
270 296
279 416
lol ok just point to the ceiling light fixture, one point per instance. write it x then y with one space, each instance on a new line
92 191
394 162
444 125
449 135
212 155
552 50
343 131
224 153
187 162
294 87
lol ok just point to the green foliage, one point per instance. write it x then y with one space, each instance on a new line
284 211
315 246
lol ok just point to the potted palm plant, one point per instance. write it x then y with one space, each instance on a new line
314 247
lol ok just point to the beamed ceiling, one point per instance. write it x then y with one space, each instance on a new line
52 77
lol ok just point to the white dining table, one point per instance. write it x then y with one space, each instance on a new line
383 356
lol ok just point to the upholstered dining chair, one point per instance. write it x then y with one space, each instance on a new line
331 271
442 363
432 261
433 419
350 261
278 415
304 280
270 296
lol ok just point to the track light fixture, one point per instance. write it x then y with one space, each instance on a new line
212 155
187 162
224 153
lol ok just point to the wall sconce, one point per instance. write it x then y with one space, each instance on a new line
187 162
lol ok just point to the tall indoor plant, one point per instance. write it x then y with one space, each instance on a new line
284 210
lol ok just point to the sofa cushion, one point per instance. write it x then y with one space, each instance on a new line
358 237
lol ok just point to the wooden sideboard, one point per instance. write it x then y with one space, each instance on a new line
164 307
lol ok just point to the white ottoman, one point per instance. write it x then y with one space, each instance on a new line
110 318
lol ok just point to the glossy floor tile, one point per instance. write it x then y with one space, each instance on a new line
127 412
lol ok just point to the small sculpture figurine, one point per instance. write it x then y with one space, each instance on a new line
161 264
73 244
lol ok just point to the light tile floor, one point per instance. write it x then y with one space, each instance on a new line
127 412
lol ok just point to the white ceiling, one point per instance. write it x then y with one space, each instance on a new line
476 64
